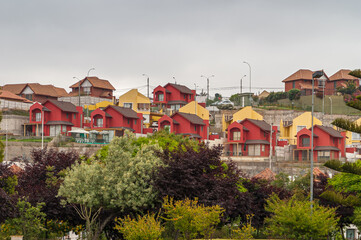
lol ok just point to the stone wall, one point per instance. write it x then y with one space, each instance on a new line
14 124
23 149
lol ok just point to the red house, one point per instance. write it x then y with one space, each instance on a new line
93 86
186 124
36 92
327 144
250 138
302 80
339 80
115 117
59 118
172 96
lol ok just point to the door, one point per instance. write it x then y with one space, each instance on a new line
350 234
55 130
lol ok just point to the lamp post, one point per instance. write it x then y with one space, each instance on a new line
207 84
323 81
250 80
331 103
316 74
78 89
89 71
147 84
240 91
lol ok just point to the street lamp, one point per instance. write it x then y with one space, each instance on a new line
323 79
207 84
147 84
250 80
89 71
240 91
316 74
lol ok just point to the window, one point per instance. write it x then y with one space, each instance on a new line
299 128
195 128
305 142
323 155
293 84
236 135
67 115
175 107
335 85
143 107
356 136
184 96
29 97
99 122
128 121
38 117
161 97
135 121
254 150
263 148
74 116
63 128
128 105
201 128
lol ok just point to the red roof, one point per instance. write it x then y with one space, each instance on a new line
38 89
95 82
11 96
342 75
300 74
266 174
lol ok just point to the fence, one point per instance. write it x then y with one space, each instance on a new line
14 105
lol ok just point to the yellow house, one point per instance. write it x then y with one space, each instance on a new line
194 108
138 102
353 138
289 129
246 112
102 104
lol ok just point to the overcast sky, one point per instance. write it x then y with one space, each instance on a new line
51 41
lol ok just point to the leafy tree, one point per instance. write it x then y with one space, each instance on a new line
292 219
236 99
146 227
350 88
199 174
294 94
118 184
191 219
29 221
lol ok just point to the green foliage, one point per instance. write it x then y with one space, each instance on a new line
275 96
339 198
292 219
245 231
236 99
355 73
354 168
357 217
29 223
350 88
191 219
146 227
9 184
294 94
346 182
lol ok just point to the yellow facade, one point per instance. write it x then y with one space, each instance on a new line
289 131
138 102
102 104
246 112
353 139
194 108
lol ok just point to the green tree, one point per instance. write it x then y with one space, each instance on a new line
292 219
294 94
29 221
119 183
350 88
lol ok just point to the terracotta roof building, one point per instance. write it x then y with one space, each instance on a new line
36 92
93 86
339 80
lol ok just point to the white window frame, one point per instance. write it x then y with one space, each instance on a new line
128 105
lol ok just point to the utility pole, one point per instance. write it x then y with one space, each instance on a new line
147 84
207 84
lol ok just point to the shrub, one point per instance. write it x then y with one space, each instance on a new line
294 94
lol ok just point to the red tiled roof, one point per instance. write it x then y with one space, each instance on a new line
181 88
260 123
266 174
95 82
11 96
300 74
191 117
307 86
330 131
39 89
342 75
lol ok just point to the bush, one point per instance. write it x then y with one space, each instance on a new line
294 94
143 227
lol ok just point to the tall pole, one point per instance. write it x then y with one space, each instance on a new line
270 152
207 84
240 91
147 84
6 145
89 71
250 80
42 128
78 90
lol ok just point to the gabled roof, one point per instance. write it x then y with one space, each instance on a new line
330 131
300 74
64 106
326 148
266 174
181 88
287 123
342 75
260 123
191 117
95 82
126 112
39 89
11 96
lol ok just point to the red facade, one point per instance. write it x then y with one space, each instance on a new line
327 144
173 96
115 117
59 118
93 86
250 138
185 124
